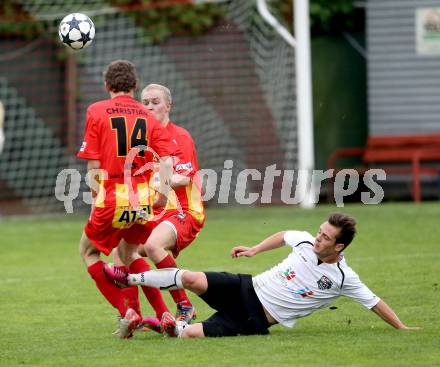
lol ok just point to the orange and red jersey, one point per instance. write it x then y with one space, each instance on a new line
113 127
188 198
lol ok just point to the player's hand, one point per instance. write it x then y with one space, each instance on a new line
239 251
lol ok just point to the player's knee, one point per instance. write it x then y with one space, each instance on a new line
141 251
81 250
87 251
150 248
125 253
85 248
127 257
189 279
193 280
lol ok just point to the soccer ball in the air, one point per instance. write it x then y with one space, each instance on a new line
76 31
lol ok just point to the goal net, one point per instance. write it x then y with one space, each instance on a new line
233 89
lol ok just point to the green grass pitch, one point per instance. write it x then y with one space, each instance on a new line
51 314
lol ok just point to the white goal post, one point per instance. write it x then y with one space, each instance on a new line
303 91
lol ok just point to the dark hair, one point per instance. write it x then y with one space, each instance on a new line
121 76
346 225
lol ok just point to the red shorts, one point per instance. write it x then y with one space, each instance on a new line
183 224
107 226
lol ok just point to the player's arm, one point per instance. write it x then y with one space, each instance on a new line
184 168
94 164
389 316
165 148
270 243
178 180
165 174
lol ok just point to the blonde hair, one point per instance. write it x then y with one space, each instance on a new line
162 88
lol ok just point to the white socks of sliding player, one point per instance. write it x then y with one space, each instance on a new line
168 278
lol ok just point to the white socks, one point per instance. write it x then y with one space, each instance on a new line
168 278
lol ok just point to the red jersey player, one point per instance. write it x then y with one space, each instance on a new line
122 203
179 222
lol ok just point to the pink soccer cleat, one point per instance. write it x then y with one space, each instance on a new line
151 323
117 275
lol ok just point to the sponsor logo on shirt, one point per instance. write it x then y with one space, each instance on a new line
83 146
303 292
184 166
324 283
289 274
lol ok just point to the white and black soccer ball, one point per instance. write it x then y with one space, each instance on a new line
76 31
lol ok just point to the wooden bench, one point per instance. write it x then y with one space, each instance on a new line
405 154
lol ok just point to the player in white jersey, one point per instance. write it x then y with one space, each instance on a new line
311 277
